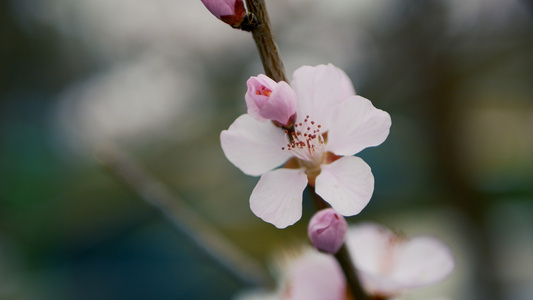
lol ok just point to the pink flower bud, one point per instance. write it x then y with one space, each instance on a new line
229 11
327 230
270 100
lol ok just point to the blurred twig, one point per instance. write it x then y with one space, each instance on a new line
207 238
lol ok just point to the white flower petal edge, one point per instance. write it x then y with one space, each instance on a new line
320 89
423 260
346 184
357 125
316 276
254 146
389 264
374 238
277 197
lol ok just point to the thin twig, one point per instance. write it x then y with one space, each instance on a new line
208 239
348 268
264 39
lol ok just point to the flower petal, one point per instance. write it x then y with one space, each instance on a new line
423 260
281 105
368 242
389 264
327 230
320 89
357 125
277 197
255 96
254 146
347 184
316 276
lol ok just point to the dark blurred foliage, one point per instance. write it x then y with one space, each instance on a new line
71 230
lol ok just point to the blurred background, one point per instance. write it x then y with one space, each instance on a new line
160 79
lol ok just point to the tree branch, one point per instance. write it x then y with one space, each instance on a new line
207 238
264 39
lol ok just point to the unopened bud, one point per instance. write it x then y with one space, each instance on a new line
229 11
270 100
327 230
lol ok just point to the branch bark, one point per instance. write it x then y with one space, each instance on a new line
265 41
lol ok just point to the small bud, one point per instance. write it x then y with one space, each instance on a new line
270 100
229 11
327 230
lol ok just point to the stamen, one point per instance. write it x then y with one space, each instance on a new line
306 141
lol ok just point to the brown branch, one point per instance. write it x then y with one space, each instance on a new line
207 238
348 268
264 39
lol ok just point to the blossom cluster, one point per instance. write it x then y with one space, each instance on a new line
305 133
388 265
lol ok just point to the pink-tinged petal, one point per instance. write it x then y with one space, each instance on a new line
254 146
370 247
316 276
320 89
260 88
368 242
327 230
282 104
230 11
423 260
277 197
358 125
389 264
346 184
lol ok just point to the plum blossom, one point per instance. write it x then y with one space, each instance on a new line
388 265
327 230
332 124
229 11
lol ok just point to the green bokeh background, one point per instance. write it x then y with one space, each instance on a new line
458 162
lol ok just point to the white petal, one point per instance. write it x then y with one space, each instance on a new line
347 184
357 125
367 242
316 276
423 260
277 197
254 146
390 265
320 89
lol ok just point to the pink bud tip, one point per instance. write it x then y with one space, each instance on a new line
270 100
327 230
230 11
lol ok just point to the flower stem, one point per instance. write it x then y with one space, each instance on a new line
343 257
205 236
264 39
348 268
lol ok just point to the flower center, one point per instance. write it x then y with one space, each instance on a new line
263 91
306 142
